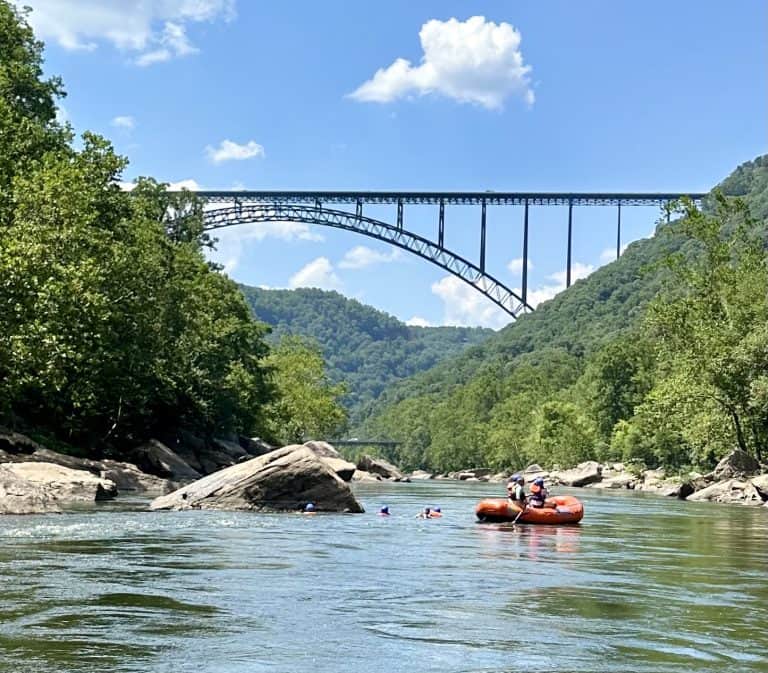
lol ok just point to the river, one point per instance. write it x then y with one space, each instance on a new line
644 584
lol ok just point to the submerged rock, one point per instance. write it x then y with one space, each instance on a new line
282 480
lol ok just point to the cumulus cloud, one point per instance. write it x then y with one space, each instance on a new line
362 256
417 321
231 151
547 291
516 266
318 273
232 241
609 254
155 31
466 307
189 183
124 122
473 61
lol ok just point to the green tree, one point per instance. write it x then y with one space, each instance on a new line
307 403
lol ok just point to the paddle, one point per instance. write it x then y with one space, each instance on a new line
520 513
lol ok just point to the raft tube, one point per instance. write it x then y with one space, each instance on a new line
560 509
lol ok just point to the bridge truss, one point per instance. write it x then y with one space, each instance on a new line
230 208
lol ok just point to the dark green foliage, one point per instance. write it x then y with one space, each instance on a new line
364 348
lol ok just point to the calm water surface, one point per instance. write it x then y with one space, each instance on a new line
644 584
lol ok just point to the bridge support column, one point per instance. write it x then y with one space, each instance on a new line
441 225
399 213
359 208
525 256
570 242
482 238
618 234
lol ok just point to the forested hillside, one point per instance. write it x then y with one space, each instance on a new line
568 381
364 348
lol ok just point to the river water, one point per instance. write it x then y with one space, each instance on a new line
644 584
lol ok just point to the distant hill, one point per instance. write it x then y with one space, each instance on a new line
366 348
570 328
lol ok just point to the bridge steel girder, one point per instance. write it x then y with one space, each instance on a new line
495 290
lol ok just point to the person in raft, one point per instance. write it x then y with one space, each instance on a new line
384 511
426 514
516 490
436 512
539 494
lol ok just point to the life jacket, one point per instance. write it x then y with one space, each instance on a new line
538 496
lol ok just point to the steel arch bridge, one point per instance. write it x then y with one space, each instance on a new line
231 208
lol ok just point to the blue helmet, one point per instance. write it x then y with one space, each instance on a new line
437 509
309 507
385 509
539 481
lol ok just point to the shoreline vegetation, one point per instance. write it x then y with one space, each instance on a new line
124 351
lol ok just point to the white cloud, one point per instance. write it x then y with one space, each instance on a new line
547 291
516 266
578 270
231 241
318 273
124 122
155 30
472 61
416 321
465 306
231 151
189 183
609 254
361 256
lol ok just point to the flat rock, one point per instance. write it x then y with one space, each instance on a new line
730 491
21 496
621 480
420 475
64 484
285 479
362 475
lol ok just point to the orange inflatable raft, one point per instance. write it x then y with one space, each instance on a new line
560 509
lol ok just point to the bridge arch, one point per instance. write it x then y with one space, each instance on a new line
486 284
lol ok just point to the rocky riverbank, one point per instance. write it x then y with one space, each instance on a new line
737 479
186 472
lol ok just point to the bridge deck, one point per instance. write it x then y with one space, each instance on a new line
490 198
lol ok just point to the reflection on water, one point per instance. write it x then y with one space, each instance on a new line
643 585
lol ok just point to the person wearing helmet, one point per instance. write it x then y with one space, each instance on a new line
516 489
538 494
384 511
309 508
425 514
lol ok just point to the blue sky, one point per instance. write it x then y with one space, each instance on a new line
556 95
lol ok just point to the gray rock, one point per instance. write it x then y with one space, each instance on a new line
420 475
128 477
379 466
331 457
535 468
761 485
362 475
21 496
283 480
255 446
323 449
232 449
63 484
730 491
157 459
737 463
621 480
581 475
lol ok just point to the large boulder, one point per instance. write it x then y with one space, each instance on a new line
21 496
285 479
737 463
761 485
379 466
421 475
730 491
331 457
620 480
63 484
362 475
157 459
581 475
